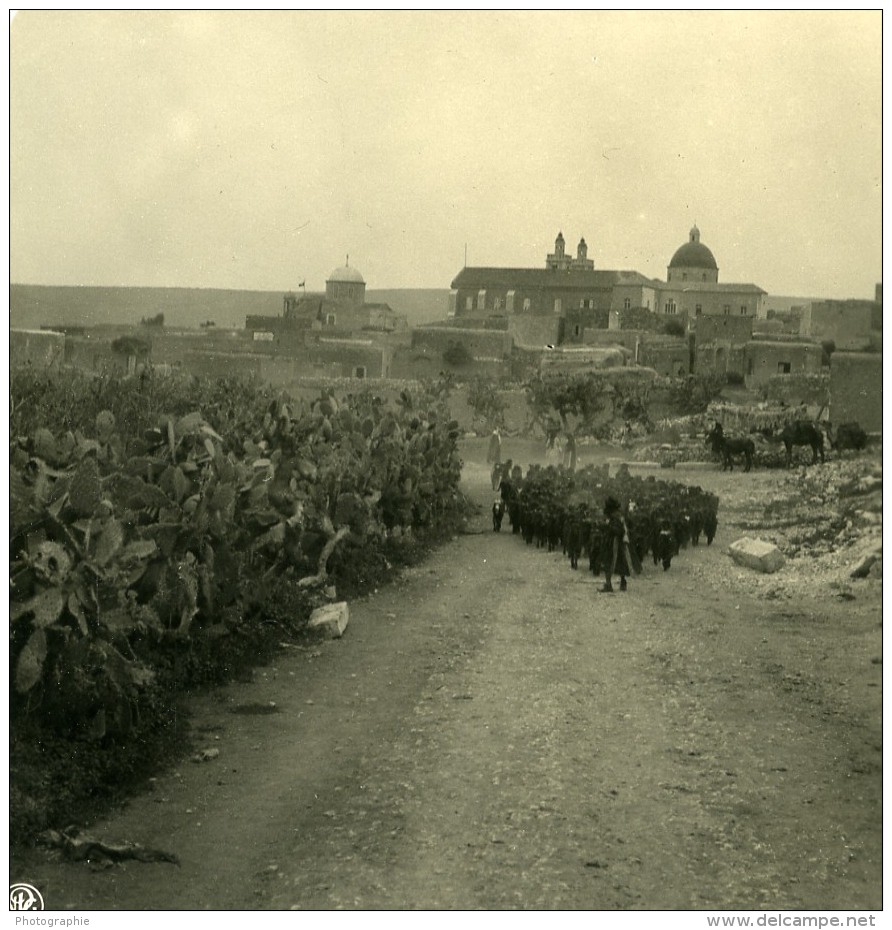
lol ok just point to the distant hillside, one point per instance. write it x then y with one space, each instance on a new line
32 306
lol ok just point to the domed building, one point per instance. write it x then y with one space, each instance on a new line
692 286
333 333
346 283
342 307
693 261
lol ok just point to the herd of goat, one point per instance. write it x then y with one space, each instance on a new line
555 509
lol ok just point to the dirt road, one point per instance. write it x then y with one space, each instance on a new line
493 733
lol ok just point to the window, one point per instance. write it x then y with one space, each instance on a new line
509 301
359 371
670 307
576 330
349 290
558 306
330 319
684 276
704 276
727 309
481 300
627 303
783 368
743 310
526 303
698 310
469 303
497 303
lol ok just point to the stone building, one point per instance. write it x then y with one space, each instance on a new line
559 302
718 343
764 359
693 290
342 310
852 325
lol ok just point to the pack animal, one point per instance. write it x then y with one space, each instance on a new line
728 447
803 433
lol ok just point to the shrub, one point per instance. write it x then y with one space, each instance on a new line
674 328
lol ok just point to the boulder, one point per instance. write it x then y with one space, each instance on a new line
757 554
331 619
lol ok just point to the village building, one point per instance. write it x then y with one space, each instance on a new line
765 359
852 325
558 303
341 311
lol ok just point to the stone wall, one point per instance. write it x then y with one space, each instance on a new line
42 349
856 389
733 329
535 331
481 343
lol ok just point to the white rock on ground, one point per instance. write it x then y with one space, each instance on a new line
757 554
331 619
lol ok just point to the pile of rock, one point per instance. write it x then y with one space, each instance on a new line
821 533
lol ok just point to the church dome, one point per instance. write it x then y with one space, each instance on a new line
346 274
693 254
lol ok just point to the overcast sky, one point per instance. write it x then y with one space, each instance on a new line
255 150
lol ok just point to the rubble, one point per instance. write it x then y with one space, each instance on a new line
826 520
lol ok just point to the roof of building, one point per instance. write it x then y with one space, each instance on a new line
346 273
693 255
546 277
712 288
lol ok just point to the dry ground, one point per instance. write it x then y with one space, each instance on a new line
491 732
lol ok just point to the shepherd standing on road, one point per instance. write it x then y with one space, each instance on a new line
618 558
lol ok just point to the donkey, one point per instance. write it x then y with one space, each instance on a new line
729 447
803 433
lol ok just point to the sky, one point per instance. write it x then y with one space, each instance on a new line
256 150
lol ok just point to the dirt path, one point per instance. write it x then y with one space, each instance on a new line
493 733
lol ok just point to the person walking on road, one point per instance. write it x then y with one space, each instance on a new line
494 453
617 556
494 457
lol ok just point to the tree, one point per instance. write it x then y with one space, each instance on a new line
155 322
694 393
486 402
581 397
131 345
